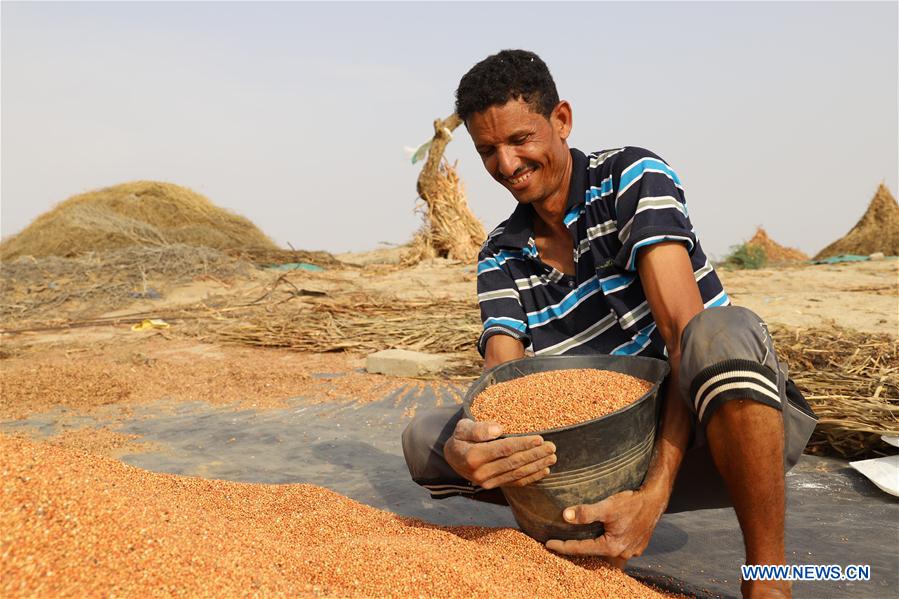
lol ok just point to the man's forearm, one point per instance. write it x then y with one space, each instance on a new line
672 440
666 273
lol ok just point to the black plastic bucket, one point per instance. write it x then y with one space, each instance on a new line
595 459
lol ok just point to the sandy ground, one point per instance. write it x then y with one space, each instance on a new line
863 295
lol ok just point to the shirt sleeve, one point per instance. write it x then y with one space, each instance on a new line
649 205
499 300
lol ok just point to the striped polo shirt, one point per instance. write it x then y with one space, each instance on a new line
619 201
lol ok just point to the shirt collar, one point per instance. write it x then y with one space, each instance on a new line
578 182
519 229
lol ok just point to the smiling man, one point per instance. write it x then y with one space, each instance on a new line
599 256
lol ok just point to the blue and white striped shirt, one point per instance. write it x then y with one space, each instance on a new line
619 201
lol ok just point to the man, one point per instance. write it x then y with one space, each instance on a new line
599 256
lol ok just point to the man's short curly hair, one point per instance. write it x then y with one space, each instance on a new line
507 75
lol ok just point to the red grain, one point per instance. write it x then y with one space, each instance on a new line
557 398
79 525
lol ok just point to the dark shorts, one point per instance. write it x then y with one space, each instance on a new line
726 353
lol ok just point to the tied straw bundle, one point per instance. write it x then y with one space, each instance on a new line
450 229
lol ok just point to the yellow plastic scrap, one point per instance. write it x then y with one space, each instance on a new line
153 323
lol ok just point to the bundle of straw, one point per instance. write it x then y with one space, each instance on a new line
450 229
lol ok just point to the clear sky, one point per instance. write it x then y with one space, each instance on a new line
296 114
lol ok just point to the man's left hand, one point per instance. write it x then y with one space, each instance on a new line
628 517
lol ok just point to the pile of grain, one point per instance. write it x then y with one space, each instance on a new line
142 213
547 400
79 525
774 252
876 231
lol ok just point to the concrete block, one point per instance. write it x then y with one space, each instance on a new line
877 256
401 362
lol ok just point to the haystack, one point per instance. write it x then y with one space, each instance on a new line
877 231
450 229
144 213
774 252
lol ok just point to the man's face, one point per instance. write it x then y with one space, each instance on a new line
523 150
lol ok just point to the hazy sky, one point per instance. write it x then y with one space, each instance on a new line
296 114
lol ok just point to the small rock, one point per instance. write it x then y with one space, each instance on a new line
401 362
876 256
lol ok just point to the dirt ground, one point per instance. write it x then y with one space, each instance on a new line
857 295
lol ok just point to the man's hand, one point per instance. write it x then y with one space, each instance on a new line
477 455
629 518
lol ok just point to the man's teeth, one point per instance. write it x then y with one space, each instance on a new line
521 178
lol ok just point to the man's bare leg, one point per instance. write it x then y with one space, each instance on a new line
746 442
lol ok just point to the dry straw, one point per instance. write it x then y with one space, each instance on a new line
353 322
851 380
97 251
271 257
143 213
450 229
53 288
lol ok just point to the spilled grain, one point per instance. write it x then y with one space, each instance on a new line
72 524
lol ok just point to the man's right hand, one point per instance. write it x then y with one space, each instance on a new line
475 452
